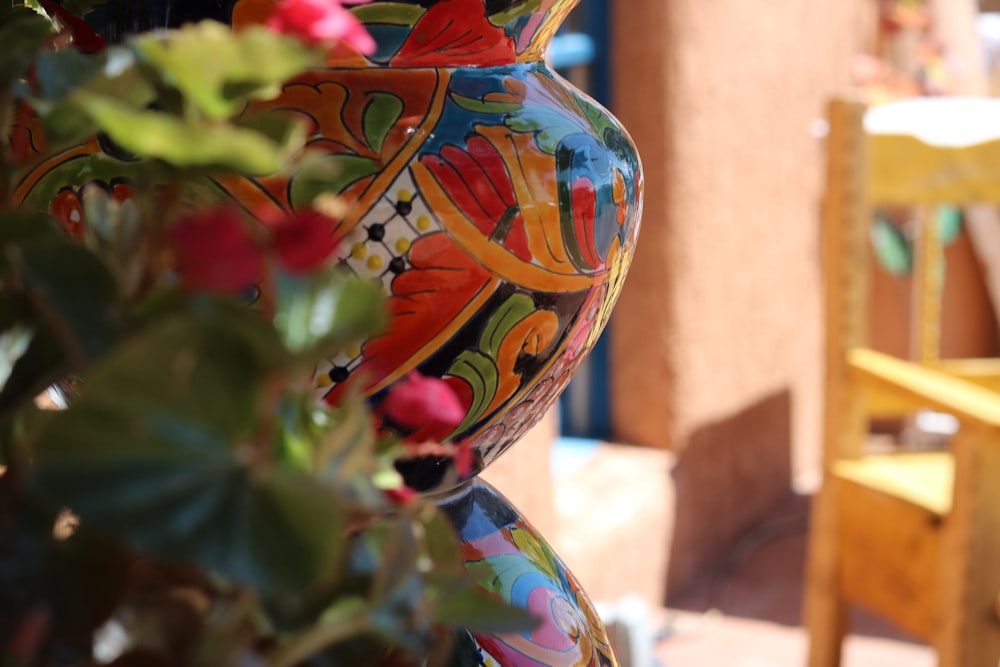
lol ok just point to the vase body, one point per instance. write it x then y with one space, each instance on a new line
513 562
497 206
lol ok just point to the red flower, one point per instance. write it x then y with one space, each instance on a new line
403 495
417 402
462 457
303 241
315 21
478 182
214 251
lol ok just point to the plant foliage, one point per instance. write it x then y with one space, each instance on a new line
173 493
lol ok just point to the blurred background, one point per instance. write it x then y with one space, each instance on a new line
675 480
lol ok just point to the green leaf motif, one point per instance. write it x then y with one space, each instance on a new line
193 143
482 375
598 118
329 174
516 10
389 13
381 113
513 310
484 106
154 453
549 126
217 69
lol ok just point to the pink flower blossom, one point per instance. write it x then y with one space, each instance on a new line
462 456
418 401
315 21
303 240
214 251
403 495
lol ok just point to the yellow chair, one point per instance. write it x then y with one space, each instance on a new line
913 536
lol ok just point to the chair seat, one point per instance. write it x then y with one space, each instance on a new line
925 479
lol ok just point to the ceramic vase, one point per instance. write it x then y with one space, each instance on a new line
497 206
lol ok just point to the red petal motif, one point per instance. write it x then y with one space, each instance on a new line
455 33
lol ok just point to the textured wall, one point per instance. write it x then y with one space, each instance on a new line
716 339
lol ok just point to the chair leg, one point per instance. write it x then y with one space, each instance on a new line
825 609
970 584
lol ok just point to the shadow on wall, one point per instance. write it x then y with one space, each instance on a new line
730 475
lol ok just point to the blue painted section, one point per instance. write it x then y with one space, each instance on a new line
585 407
598 20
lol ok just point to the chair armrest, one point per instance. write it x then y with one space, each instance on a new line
925 387
982 372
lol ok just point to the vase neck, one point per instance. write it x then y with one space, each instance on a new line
409 33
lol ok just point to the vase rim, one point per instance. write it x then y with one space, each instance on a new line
441 33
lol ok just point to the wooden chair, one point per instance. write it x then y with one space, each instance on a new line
913 536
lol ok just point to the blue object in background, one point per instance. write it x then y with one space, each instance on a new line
584 42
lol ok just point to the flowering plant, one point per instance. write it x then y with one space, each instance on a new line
188 502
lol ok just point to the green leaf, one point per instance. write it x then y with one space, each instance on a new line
113 74
442 544
892 250
155 452
43 363
465 652
75 294
475 610
329 174
22 34
343 609
498 574
22 226
286 131
382 112
218 69
346 448
320 314
14 343
191 143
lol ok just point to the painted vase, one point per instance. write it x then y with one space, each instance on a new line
497 206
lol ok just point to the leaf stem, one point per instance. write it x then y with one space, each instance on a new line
318 638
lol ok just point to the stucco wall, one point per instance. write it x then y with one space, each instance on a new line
716 340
